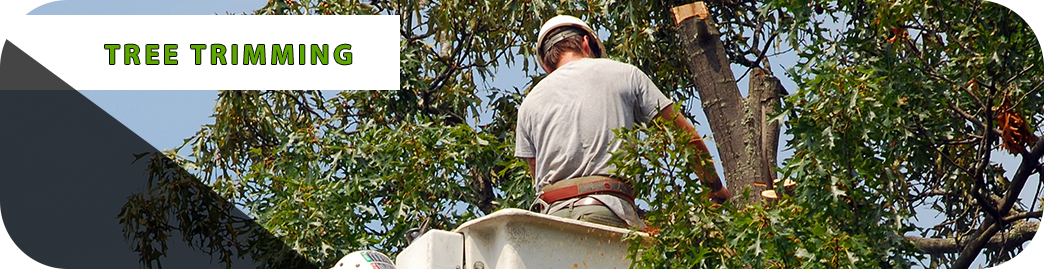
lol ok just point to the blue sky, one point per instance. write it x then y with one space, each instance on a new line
166 118
148 7
162 118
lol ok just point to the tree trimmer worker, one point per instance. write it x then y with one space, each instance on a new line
565 126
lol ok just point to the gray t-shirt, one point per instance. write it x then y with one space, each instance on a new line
566 122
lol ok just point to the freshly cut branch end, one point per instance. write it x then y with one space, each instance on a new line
690 10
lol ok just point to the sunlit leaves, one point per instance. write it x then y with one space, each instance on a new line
690 232
891 112
899 114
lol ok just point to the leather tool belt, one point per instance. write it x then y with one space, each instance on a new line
580 186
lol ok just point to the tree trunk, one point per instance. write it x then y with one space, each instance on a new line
736 123
747 140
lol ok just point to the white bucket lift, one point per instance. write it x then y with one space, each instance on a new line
515 238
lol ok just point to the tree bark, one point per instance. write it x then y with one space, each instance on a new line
766 89
747 140
482 185
736 123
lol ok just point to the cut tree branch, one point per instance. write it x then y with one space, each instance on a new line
735 124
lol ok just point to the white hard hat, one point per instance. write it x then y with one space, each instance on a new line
368 259
565 20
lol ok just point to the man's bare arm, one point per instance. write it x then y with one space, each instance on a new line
530 163
708 174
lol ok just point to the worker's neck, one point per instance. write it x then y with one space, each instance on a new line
570 57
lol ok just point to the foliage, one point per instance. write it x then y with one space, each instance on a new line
896 108
898 112
692 232
327 190
176 203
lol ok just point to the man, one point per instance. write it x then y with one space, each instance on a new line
565 124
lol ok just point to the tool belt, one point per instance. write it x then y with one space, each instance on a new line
580 186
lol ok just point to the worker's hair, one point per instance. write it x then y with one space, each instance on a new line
569 44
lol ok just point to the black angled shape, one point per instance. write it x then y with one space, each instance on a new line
67 169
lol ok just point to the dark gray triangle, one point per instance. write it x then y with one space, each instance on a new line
18 71
66 170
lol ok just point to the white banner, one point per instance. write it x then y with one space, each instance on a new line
207 52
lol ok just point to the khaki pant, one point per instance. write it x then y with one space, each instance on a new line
591 213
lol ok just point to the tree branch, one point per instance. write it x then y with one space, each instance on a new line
1027 167
1024 215
992 225
1016 236
734 123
